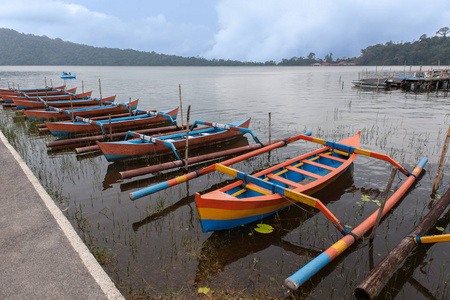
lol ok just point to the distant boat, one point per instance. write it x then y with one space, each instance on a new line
372 82
68 75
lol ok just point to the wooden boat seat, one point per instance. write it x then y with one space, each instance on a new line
204 133
332 157
304 172
313 163
284 180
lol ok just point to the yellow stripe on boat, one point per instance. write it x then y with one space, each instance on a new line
228 214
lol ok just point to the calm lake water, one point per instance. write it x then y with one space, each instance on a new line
154 246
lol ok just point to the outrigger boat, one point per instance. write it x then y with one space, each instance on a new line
241 202
146 145
35 93
54 113
87 126
66 96
26 104
249 199
18 91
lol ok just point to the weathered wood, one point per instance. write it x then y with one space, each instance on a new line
441 162
378 277
186 156
383 203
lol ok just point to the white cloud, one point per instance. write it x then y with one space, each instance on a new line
250 30
260 30
77 24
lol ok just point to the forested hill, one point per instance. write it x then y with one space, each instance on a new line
425 51
27 49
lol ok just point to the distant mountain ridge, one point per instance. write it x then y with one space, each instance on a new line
27 49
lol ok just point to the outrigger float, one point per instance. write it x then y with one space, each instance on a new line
256 196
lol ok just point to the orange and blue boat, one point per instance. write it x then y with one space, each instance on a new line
49 98
27 104
147 145
55 113
243 202
87 126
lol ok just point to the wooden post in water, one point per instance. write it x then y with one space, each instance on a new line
71 108
129 106
110 128
383 203
186 156
100 89
270 127
441 162
45 81
181 105
82 86
51 83
379 275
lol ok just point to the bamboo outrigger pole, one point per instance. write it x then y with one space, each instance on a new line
379 275
314 266
166 184
350 149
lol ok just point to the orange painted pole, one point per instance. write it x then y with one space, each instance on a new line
314 266
357 151
166 184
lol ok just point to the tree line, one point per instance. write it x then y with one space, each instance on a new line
27 49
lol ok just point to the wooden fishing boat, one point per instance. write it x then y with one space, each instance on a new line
380 83
37 93
26 104
239 203
32 90
50 98
64 114
129 149
43 95
86 126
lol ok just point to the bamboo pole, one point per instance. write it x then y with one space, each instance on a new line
383 203
181 104
82 86
100 89
166 184
192 160
314 266
71 108
376 279
270 126
186 156
441 162
110 128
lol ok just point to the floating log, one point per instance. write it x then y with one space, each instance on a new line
191 160
87 139
379 275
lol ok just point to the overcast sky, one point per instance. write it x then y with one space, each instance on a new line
246 30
